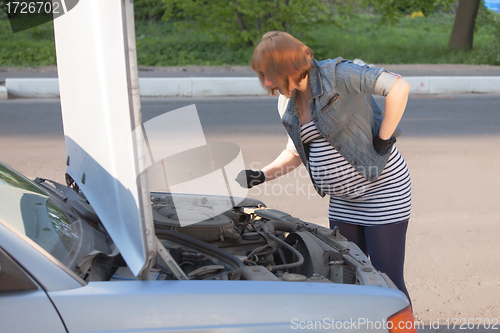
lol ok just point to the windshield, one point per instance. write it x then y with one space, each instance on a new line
28 208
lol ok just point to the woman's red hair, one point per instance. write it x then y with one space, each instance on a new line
280 57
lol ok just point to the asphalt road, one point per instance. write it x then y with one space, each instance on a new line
451 145
32 136
425 116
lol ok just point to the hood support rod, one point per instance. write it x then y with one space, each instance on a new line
169 261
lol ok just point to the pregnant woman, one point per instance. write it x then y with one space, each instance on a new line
346 142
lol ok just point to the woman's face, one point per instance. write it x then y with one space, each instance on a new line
279 86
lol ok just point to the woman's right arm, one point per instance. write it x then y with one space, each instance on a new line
287 161
283 164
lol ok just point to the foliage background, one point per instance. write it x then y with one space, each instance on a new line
223 32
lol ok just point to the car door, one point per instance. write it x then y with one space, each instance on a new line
24 305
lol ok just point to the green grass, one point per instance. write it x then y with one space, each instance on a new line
160 44
28 48
411 41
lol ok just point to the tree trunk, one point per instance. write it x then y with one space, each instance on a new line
241 23
463 29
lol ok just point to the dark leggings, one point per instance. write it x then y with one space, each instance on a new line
384 244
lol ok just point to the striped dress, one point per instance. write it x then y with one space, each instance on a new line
354 199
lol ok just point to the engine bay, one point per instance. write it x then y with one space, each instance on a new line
253 242
247 242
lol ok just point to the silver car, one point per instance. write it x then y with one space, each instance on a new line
104 253
249 269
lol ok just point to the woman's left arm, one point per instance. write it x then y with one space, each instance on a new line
395 104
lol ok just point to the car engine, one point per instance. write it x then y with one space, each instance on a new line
257 243
247 242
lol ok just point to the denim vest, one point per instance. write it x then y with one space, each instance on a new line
345 113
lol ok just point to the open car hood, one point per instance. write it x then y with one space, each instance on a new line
97 67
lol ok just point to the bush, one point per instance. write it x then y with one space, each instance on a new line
243 22
150 10
32 47
160 44
391 11
491 52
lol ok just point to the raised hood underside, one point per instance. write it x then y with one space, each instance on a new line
97 67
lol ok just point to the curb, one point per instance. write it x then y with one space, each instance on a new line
245 86
200 87
454 84
33 88
3 93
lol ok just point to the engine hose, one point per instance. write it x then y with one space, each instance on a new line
257 250
271 226
289 247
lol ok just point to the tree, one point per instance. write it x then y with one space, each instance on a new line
463 29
